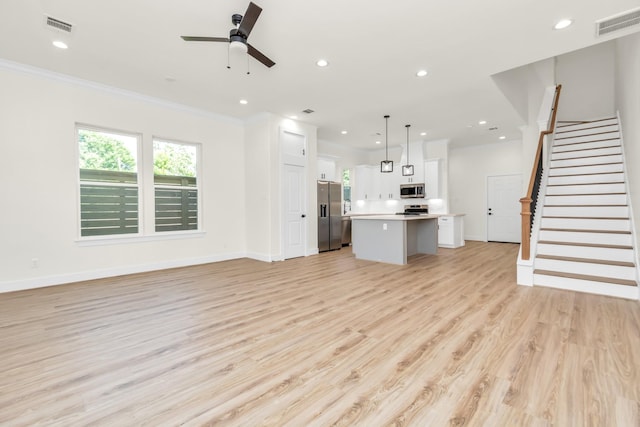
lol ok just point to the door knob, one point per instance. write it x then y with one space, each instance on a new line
303 216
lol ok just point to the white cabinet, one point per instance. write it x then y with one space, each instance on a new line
371 184
450 231
389 188
432 179
327 169
362 184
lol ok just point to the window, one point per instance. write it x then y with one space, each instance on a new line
176 186
109 185
346 189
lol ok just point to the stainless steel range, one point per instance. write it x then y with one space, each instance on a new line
415 210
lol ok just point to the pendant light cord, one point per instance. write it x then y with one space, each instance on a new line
407 126
386 138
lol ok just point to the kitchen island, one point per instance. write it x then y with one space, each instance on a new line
393 238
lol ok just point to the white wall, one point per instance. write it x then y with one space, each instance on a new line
469 168
587 77
264 216
39 214
628 103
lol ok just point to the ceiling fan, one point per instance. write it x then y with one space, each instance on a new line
238 35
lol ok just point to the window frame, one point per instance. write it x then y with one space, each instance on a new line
139 185
197 187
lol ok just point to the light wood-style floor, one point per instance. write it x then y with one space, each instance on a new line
321 341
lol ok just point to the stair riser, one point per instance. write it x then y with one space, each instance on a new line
586 146
599 160
598 199
587 224
620 291
591 211
586 189
602 270
586 179
582 237
564 139
582 170
587 130
584 153
561 127
607 254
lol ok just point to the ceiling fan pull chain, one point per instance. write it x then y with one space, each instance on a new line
248 65
228 60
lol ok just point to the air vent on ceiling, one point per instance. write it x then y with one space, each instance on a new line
618 22
308 111
60 25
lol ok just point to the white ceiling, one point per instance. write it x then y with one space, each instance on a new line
374 50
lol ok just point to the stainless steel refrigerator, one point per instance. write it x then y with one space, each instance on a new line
329 216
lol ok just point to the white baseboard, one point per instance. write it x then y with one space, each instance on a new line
475 238
61 279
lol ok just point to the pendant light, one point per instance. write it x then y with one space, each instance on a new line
386 165
407 170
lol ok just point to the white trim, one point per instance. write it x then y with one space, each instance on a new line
261 257
587 286
112 90
45 281
634 234
139 238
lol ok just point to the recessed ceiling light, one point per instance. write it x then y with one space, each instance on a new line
244 102
344 132
322 63
421 73
503 137
293 117
423 133
482 122
60 44
378 142
562 24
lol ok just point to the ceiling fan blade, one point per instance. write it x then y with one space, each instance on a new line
204 39
249 19
260 56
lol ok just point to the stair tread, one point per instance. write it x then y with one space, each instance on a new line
586 128
583 122
585 157
585 166
584 174
586 134
590 245
587 260
585 142
583 149
587 217
587 277
586 183
586 194
577 230
585 206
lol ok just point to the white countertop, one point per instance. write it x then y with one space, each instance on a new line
392 217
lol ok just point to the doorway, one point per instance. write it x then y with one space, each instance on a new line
503 208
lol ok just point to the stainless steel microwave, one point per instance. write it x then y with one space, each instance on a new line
411 191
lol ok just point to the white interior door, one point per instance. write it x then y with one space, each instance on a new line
295 214
503 208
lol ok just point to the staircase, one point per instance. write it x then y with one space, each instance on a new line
585 241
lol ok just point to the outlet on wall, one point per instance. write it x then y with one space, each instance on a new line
34 262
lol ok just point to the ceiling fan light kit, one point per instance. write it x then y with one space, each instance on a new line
238 36
386 166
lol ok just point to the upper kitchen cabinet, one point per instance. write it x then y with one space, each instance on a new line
362 186
327 169
389 187
432 181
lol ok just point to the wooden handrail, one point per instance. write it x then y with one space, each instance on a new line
528 200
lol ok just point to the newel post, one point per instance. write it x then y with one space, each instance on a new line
525 214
